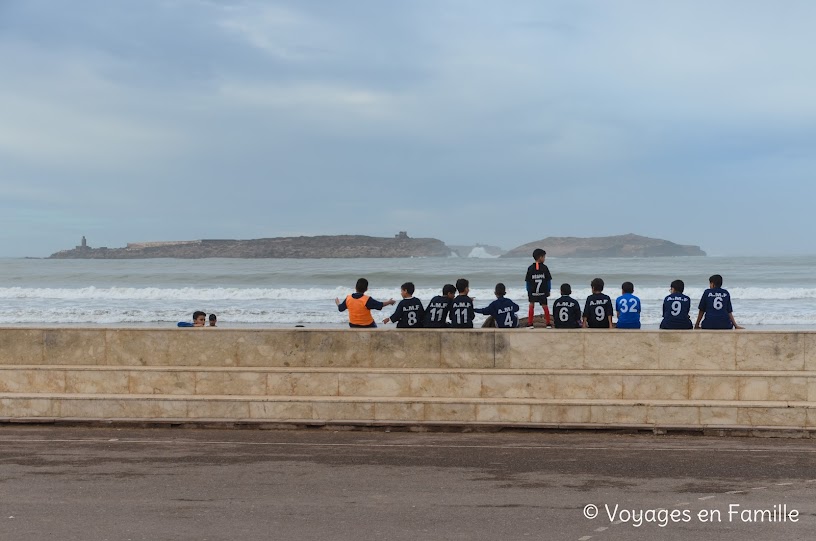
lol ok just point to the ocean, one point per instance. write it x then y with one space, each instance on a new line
767 292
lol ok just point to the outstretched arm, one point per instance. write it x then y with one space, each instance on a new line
374 304
395 317
734 321
488 310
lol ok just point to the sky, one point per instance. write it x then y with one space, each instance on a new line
470 121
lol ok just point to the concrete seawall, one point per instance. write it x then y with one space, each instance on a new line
545 378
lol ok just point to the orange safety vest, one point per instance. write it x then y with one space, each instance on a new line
358 313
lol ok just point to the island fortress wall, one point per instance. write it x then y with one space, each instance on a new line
537 378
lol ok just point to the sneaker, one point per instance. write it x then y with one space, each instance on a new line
549 326
530 327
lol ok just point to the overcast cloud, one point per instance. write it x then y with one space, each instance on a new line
468 121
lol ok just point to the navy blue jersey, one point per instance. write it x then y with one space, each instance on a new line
408 314
716 303
598 310
628 308
461 312
538 280
566 313
676 308
503 312
436 313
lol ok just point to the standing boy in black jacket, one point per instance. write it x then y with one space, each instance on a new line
539 282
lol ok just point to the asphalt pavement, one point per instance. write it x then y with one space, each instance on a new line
84 483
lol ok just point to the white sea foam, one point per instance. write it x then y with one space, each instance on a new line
258 292
186 293
314 315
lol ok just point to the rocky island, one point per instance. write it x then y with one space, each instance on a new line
361 246
616 246
340 246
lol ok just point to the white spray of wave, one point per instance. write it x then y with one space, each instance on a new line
186 293
115 305
480 253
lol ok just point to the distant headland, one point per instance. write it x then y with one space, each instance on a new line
360 246
616 246
340 246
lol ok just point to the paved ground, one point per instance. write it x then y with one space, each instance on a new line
133 484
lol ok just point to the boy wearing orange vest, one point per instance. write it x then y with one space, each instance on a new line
360 305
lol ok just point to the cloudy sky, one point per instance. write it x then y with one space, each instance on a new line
470 121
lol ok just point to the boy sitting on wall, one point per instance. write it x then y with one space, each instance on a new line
360 305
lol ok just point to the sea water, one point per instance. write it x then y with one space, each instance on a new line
767 292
